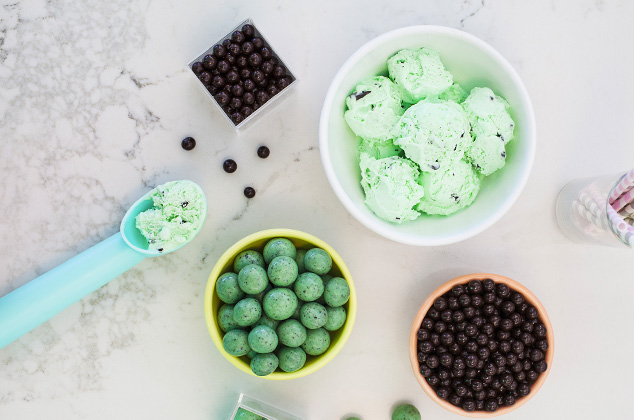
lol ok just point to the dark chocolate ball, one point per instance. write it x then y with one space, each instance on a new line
229 166
258 76
237 90
248 31
226 42
236 117
246 111
263 152
248 98
440 304
249 192
232 76
223 66
488 285
266 52
279 71
283 83
197 68
267 67
247 48
248 85
222 98
235 103
234 48
272 90
205 78
262 97
255 60
258 43
242 62
474 287
188 143
468 405
219 51
443 393
237 37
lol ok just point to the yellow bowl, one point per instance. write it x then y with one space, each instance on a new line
256 241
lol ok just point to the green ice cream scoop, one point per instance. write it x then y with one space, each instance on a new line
379 149
488 114
373 108
450 189
419 73
390 187
434 134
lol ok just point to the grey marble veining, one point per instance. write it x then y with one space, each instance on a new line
94 100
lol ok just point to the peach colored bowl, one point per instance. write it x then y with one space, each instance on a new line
530 298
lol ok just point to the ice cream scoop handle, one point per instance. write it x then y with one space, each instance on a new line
39 300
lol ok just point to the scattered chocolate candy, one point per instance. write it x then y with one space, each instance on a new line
230 166
249 192
188 143
242 63
263 152
481 346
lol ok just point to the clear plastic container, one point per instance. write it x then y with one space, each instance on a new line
582 211
271 103
261 409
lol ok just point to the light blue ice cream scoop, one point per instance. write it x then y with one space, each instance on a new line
39 300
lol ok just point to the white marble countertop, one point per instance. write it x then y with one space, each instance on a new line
94 100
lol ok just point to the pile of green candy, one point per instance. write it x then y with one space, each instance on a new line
280 306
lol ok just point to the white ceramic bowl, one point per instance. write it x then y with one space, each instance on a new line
473 63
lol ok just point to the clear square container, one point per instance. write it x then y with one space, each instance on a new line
271 103
261 409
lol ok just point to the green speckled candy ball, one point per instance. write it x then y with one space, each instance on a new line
265 320
318 261
264 364
247 312
236 343
247 258
406 412
291 359
225 318
282 271
313 315
279 247
336 318
291 333
299 259
336 292
280 303
263 339
243 414
252 279
317 342
227 288
309 287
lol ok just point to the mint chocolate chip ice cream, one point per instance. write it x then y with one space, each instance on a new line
175 218
433 134
426 145
419 73
373 108
390 186
450 189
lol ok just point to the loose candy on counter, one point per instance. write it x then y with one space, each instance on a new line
228 289
406 412
309 287
236 343
291 359
291 333
264 364
247 312
317 342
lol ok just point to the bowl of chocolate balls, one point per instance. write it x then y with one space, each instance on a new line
280 304
481 345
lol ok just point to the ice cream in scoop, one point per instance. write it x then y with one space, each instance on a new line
419 73
176 215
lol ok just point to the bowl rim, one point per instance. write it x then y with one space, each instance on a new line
422 311
230 253
371 221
